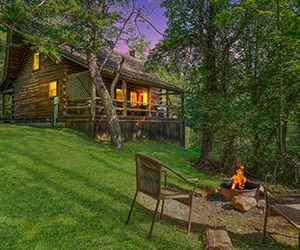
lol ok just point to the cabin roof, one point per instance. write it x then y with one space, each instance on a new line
132 68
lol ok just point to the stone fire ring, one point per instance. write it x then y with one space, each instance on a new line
251 190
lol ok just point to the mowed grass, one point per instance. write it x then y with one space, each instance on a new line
60 189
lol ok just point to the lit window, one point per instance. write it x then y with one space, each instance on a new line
119 94
53 89
133 98
36 61
145 98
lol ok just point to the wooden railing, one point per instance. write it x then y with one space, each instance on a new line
83 106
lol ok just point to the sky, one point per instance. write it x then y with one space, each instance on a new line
158 20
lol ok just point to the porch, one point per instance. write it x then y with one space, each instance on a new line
144 111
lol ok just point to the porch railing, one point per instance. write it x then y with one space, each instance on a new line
83 106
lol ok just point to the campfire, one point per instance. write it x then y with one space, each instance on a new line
239 178
239 186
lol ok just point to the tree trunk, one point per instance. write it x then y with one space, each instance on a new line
284 132
207 145
111 115
280 159
299 135
115 81
228 156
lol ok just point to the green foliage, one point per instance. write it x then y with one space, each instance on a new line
139 45
172 76
8 106
2 51
239 82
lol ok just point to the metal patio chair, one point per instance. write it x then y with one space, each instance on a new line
148 180
290 212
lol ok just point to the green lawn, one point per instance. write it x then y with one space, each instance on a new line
62 190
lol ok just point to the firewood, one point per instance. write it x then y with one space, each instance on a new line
216 238
208 191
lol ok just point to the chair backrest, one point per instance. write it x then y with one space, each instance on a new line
148 175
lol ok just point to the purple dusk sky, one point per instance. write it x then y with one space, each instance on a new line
156 18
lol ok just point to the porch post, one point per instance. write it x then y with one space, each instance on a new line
149 101
3 106
124 86
183 122
168 102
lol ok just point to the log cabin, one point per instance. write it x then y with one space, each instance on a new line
46 91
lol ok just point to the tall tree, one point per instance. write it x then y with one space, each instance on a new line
199 40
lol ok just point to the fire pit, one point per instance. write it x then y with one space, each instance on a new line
250 190
239 186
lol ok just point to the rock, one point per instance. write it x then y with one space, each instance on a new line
208 191
261 191
261 203
243 203
216 238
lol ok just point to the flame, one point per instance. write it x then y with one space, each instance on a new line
239 178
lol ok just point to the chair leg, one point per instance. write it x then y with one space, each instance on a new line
132 206
190 219
162 208
265 226
153 220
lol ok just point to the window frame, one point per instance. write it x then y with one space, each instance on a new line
33 62
56 89
133 105
143 95
118 89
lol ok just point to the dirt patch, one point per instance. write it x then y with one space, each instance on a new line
216 211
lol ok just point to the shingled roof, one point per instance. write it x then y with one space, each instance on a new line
132 68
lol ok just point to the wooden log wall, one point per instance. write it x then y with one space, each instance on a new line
31 89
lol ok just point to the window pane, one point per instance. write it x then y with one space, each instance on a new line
53 88
145 98
133 98
119 94
36 61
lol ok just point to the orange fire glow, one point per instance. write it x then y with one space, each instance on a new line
239 178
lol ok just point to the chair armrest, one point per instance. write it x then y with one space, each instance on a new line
282 195
180 176
287 195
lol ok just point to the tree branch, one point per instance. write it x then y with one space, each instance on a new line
121 31
114 83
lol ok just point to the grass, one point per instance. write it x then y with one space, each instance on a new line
60 189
